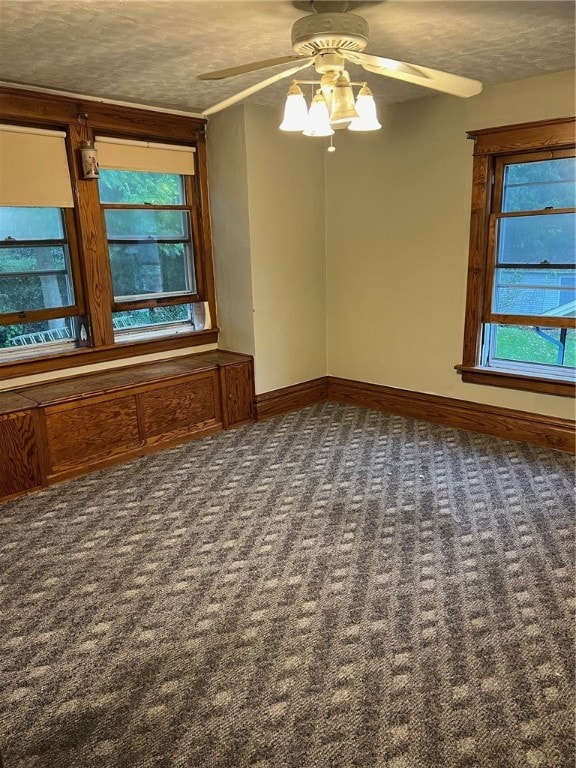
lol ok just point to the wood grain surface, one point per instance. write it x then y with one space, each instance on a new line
237 394
91 431
20 464
291 398
180 408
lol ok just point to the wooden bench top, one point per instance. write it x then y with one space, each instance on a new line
103 382
10 402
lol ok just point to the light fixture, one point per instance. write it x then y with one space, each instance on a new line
318 117
332 107
367 119
343 109
295 110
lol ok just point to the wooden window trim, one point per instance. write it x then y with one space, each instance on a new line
551 137
90 267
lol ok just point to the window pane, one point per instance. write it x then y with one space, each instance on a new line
20 293
40 335
49 258
143 269
537 239
546 346
158 316
31 224
533 186
138 187
142 224
535 292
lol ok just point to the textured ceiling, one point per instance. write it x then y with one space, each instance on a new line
150 51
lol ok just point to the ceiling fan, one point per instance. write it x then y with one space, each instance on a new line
326 40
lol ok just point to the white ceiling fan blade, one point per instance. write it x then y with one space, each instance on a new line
220 74
455 85
255 88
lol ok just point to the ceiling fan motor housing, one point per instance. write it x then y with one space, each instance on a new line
329 31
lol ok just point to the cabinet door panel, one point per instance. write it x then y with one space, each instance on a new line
20 468
180 408
91 432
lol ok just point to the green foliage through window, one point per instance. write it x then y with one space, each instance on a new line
150 246
35 275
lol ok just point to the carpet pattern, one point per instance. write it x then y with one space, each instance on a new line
334 588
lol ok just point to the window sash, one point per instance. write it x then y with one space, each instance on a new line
192 266
72 271
493 265
534 156
559 368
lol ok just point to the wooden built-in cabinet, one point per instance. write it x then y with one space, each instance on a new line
61 429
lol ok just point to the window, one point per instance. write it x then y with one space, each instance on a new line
100 269
521 285
40 294
38 307
147 197
151 250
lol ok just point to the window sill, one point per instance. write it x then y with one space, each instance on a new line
529 381
72 359
150 334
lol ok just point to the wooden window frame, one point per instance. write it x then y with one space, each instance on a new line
89 256
187 207
490 147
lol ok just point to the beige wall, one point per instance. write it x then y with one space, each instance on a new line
268 209
398 207
229 206
287 230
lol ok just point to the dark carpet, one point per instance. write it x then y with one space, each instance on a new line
334 588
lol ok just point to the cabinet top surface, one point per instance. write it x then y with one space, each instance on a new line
120 378
12 401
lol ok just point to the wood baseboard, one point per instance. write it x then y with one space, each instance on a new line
506 423
291 398
546 431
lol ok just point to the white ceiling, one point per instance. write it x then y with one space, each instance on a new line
150 51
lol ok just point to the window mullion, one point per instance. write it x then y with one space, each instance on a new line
74 260
97 281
